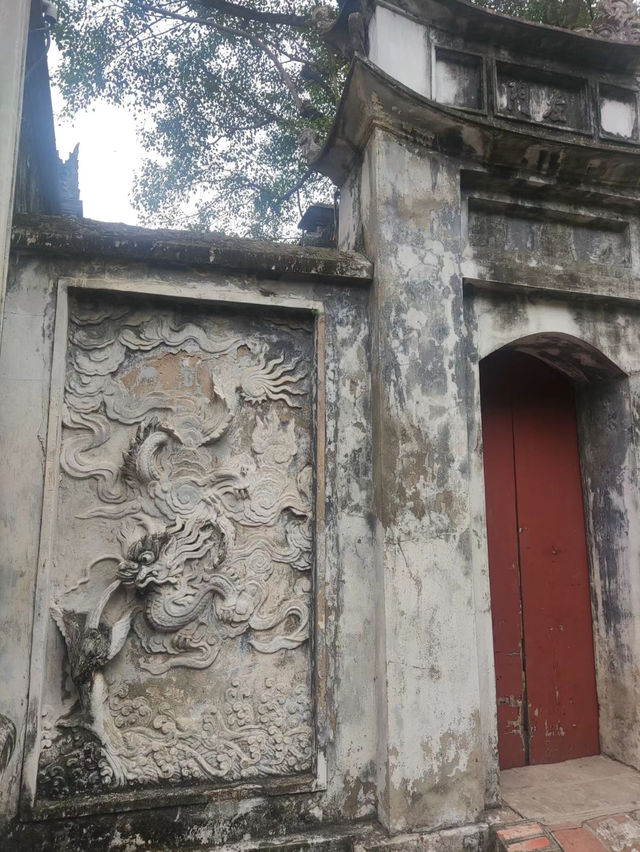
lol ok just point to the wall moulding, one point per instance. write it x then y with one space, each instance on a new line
566 236
178 643
530 237
480 277
523 188
60 236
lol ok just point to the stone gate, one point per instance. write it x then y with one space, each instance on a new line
245 586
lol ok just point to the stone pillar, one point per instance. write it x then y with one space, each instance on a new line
14 25
610 428
430 737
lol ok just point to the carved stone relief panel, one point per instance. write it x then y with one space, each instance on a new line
178 647
537 96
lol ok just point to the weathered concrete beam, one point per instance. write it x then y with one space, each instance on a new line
64 237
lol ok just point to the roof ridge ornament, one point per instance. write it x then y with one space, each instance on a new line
618 20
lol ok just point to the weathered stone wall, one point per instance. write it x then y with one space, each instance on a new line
187 517
245 592
493 183
476 268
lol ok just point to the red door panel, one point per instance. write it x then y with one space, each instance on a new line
502 534
543 510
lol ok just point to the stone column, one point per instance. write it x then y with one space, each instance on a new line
14 26
430 739
609 438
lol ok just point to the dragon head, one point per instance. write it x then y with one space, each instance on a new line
159 558
146 562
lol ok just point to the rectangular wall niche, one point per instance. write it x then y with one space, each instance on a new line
175 644
619 113
496 226
459 79
530 94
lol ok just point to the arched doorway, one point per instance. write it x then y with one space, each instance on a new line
539 575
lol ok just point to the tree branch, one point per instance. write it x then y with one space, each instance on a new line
237 10
242 33
286 78
280 199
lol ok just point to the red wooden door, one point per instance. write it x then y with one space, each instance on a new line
539 575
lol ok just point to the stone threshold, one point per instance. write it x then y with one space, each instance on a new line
591 804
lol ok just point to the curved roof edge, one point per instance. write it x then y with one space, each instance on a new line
476 23
372 98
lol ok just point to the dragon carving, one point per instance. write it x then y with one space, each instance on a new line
200 536
617 20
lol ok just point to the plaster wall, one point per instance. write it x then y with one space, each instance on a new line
14 23
431 764
345 623
482 234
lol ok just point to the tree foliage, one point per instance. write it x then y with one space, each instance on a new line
222 90
570 14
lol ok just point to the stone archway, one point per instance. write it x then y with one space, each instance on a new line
547 706
605 421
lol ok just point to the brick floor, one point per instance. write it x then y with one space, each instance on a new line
586 805
578 840
618 833
525 837
530 845
520 832
613 833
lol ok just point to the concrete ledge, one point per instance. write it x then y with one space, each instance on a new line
352 837
65 237
468 838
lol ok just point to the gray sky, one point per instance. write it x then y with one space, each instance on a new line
109 155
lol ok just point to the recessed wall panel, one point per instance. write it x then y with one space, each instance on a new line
536 96
177 607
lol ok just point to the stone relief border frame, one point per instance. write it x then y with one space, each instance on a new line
210 294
